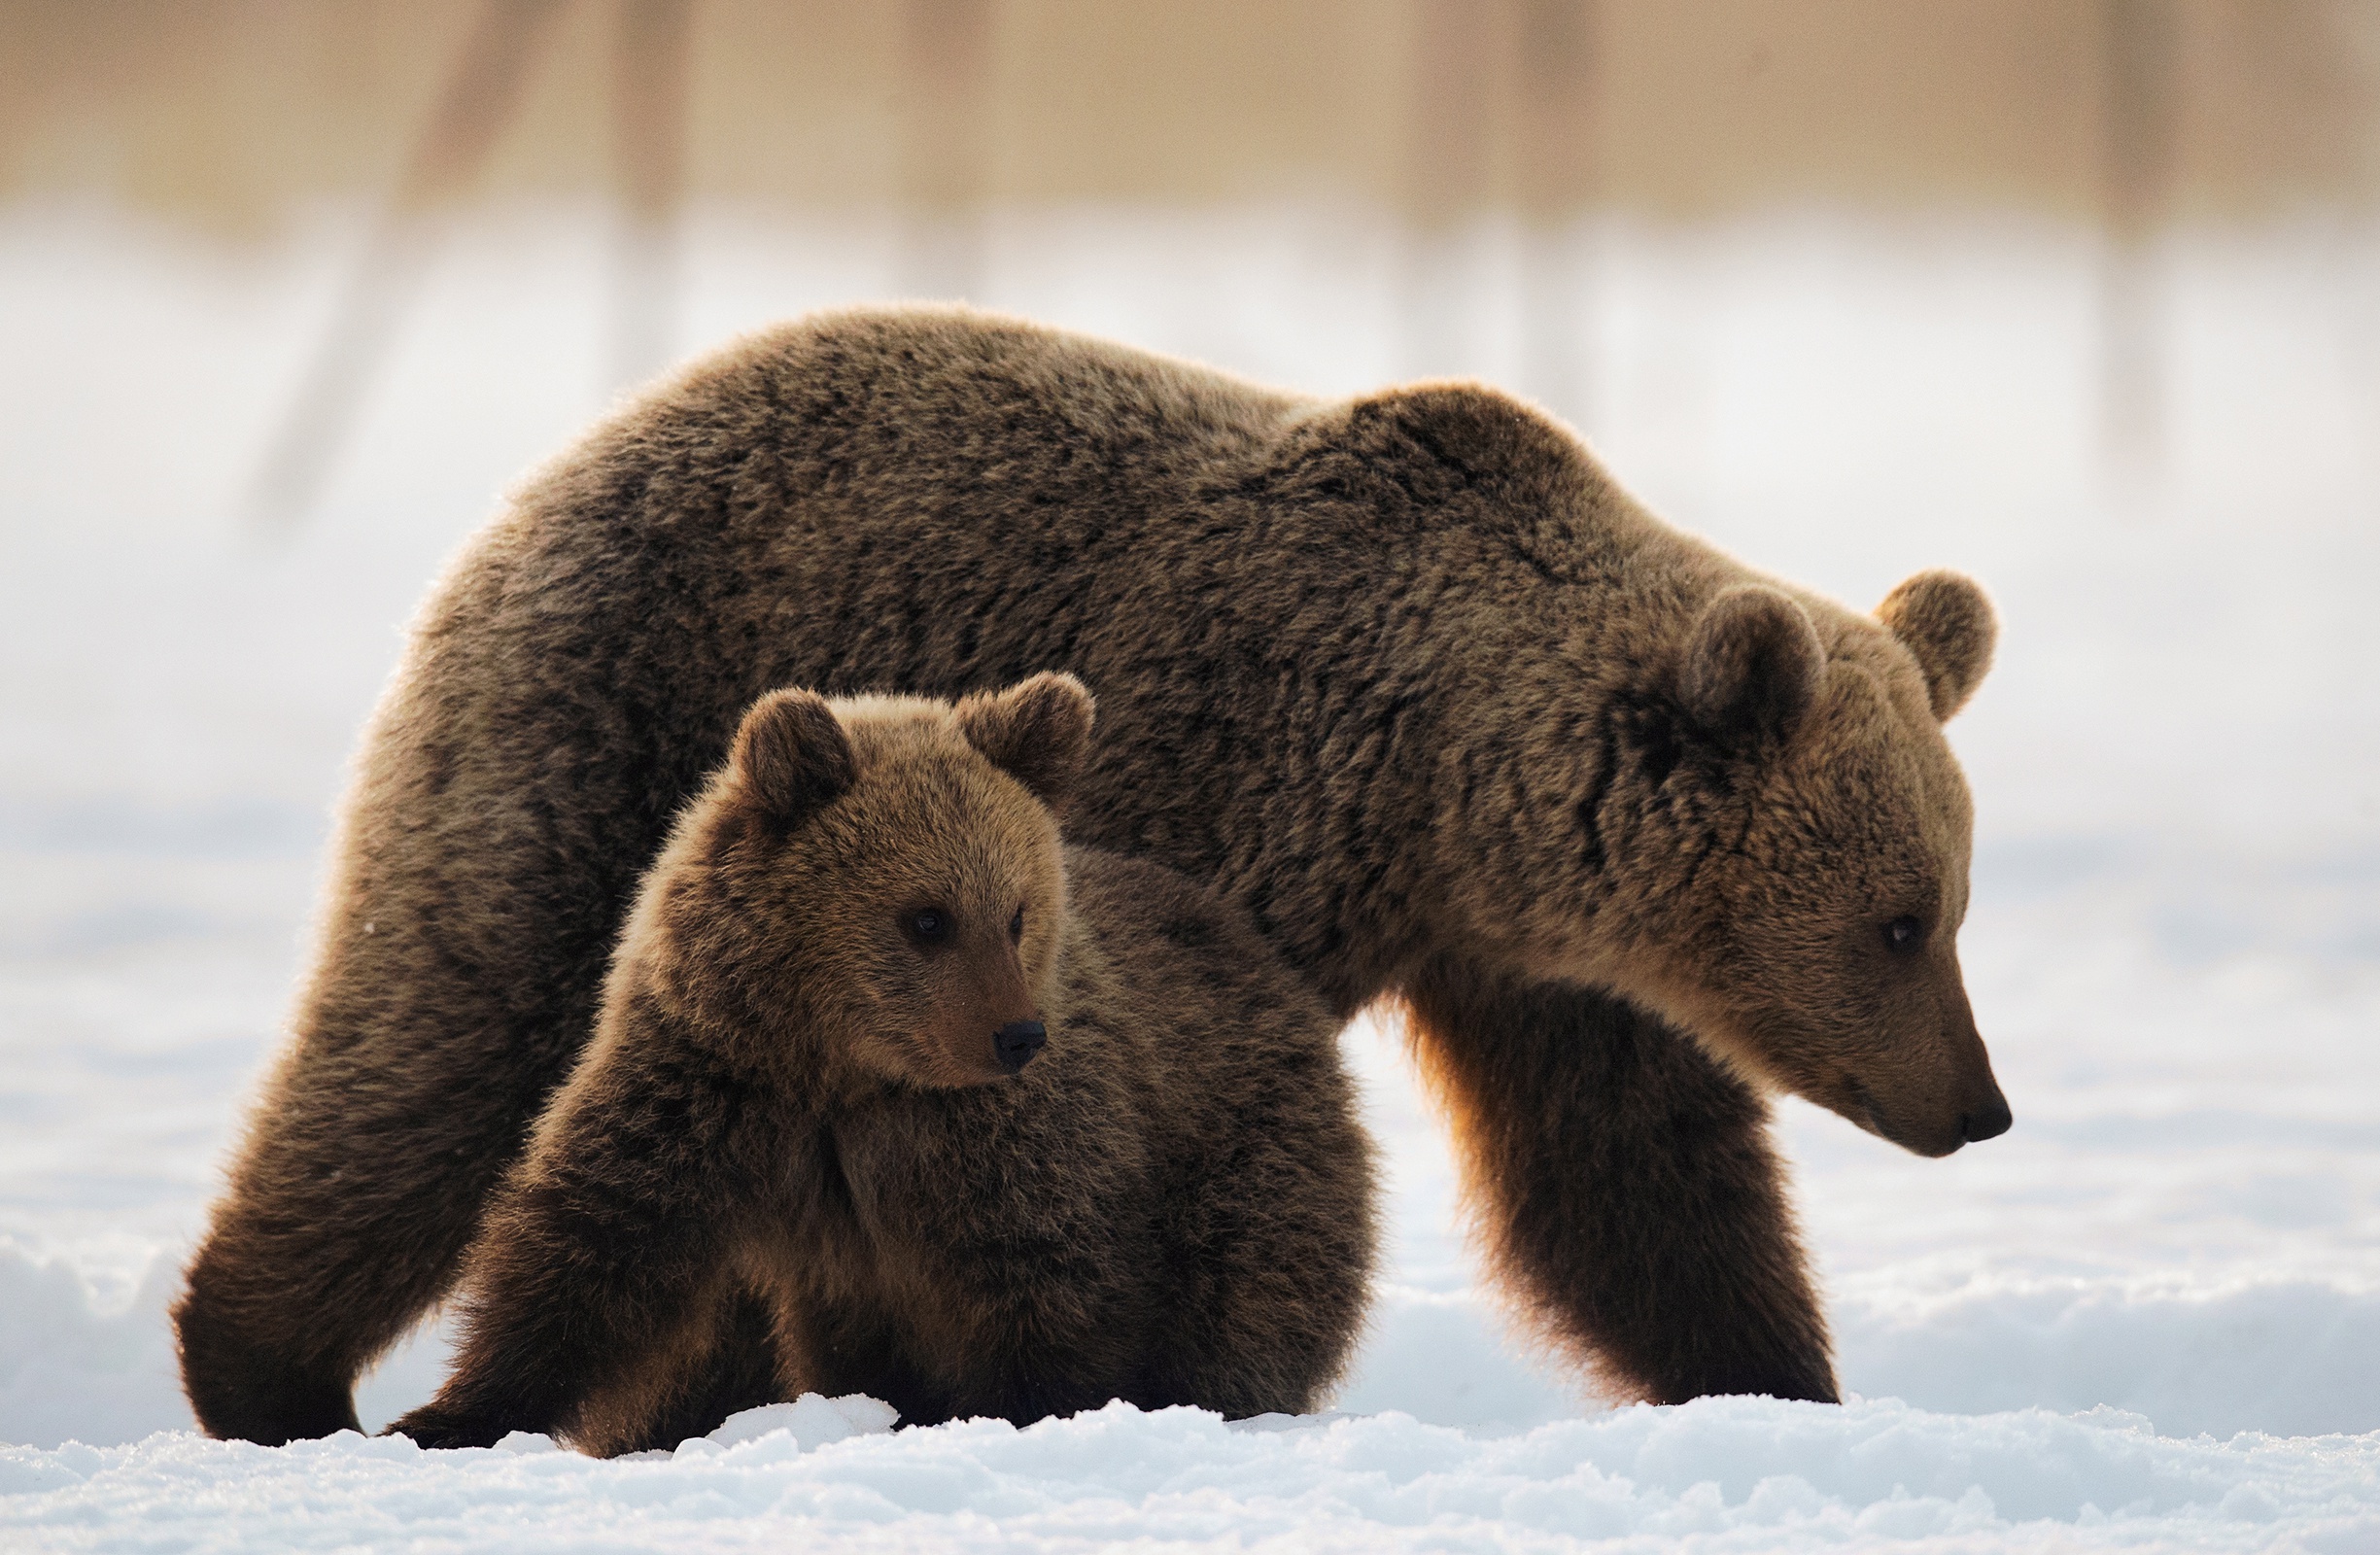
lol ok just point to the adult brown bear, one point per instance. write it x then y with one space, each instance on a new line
1630 830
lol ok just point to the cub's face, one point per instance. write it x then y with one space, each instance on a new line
885 888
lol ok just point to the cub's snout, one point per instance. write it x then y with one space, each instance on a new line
1016 1043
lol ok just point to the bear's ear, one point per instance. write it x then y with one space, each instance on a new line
1948 624
792 757
1752 665
1037 731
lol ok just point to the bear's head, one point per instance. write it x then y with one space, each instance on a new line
875 886
1784 836
1814 931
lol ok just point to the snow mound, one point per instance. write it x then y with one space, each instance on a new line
809 1420
2297 1358
1740 1474
72 1365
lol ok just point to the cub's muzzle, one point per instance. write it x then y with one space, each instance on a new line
1016 1043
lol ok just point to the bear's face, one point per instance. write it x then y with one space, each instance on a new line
1824 956
880 882
1817 943
1785 836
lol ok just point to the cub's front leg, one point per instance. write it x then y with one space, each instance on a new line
1010 1230
602 1258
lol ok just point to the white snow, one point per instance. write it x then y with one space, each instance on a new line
2148 1317
1736 1475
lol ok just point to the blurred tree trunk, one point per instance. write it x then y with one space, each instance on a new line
650 52
2139 112
481 94
1450 176
946 146
1560 102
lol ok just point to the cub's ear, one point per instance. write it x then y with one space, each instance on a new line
792 757
1948 623
1037 731
1752 665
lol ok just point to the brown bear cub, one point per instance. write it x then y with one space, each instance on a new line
929 1107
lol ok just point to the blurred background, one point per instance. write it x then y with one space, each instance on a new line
1463 156
2080 296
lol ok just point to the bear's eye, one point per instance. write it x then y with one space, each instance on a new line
1016 927
928 925
1903 934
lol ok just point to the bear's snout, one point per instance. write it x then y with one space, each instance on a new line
1016 1043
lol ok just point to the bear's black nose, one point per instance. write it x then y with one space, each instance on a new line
1016 1043
1991 1123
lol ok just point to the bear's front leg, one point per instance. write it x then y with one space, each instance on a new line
1627 1188
603 1255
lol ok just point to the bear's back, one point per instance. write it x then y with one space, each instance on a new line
909 425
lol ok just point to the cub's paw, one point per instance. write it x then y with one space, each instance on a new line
433 1427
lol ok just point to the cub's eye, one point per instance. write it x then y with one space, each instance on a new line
1903 934
929 926
1015 926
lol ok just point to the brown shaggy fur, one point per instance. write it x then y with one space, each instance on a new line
792 1102
1406 679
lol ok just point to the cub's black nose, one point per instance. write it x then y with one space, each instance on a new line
1016 1043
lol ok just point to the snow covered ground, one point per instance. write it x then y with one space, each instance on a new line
2148 1317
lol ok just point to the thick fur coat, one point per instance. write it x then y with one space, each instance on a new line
811 1115
1633 831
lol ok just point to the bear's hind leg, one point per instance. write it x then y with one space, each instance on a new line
349 1206
327 1247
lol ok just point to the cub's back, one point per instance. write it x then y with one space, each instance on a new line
1263 1211
1243 1070
1185 972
